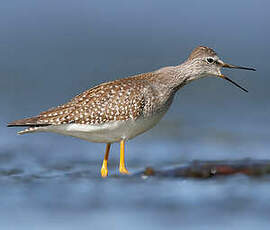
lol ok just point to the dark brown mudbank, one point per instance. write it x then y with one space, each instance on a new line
207 169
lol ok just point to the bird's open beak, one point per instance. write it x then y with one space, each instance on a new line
225 65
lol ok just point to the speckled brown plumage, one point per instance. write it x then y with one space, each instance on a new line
112 101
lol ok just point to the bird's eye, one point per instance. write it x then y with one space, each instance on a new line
210 60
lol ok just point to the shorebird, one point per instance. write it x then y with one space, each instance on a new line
122 109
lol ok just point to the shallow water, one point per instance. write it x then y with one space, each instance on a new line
52 50
53 182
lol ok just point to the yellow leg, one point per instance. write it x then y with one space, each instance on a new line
122 167
104 168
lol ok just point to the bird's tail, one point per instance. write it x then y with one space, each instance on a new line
31 123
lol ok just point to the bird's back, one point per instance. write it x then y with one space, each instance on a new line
121 99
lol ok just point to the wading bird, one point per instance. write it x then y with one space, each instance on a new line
120 110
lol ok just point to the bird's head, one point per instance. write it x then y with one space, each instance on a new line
204 61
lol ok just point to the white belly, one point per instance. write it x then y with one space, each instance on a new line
105 133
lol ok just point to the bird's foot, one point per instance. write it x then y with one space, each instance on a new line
124 171
104 171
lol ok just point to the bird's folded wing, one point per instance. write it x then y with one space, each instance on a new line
117 100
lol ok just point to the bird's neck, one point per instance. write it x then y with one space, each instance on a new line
175 77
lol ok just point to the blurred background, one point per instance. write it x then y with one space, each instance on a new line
53 50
